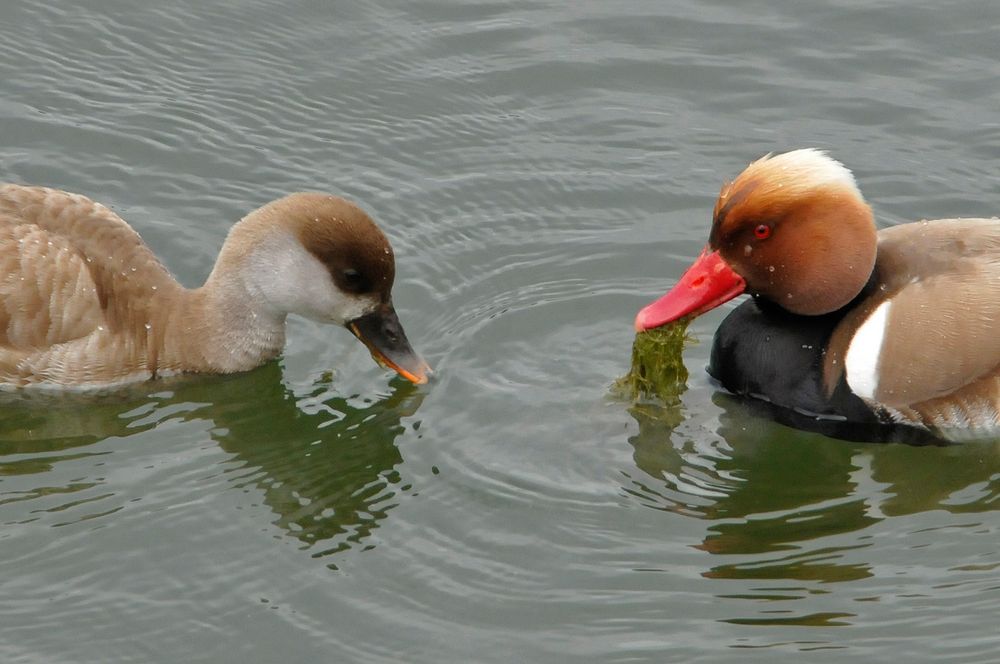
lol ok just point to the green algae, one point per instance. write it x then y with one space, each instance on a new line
658 370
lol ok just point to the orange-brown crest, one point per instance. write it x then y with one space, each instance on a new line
797 229
768 187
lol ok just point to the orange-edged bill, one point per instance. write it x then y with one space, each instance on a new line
381 332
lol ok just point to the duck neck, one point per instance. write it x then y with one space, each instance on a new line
222 327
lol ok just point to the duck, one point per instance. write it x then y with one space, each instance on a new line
879 330
84 302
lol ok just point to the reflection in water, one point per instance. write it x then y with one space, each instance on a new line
325 463
792 506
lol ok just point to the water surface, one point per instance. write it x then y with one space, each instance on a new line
543 169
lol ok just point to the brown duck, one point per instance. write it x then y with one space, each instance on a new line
85 303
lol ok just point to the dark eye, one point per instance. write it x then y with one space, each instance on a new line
352 277
762 232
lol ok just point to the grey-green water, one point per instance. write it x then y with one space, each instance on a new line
543 170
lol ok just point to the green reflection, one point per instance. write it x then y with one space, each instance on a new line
325 464
811 620
38 430
776 499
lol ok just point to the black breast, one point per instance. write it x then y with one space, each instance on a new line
762 351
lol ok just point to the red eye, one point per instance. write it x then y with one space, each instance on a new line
762 232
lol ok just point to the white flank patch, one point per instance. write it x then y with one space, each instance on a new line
863 354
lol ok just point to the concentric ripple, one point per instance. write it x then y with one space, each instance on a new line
542 170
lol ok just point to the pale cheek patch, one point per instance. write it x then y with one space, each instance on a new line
863 354
291 280
353 307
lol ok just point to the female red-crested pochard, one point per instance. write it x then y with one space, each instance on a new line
85 303
888 328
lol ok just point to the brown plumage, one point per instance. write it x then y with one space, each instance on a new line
822 204
84 302
940 363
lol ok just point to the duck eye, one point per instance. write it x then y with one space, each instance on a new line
762 232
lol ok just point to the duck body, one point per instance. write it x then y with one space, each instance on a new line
893 335
764 352
85 303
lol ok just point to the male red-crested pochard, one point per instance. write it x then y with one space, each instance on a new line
893 327
85 303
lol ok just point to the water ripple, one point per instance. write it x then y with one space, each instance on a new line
542 172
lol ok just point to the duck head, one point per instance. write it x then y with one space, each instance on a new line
792 228
322 257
